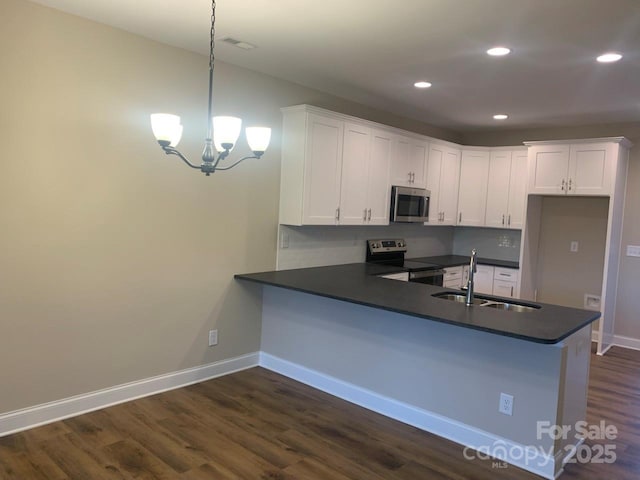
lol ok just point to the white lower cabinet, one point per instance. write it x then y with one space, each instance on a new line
505 282
452 277
483 279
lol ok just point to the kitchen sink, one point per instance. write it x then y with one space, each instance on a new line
486 302
459 298
512 307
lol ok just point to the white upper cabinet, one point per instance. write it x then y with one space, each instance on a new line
334 171
443 176
548 169
355 172
365 193
571 169
311 169
472 197
506 193
378 189
408 162
591 168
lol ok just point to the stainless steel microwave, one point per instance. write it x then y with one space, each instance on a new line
409 205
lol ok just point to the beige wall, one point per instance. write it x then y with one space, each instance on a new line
627 321
116 260
564 276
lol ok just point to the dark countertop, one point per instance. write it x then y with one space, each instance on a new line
358 283
455 260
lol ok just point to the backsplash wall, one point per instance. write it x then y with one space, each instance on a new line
314 246
496 243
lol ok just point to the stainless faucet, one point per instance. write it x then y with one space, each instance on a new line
473 264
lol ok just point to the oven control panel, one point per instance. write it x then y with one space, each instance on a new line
380 246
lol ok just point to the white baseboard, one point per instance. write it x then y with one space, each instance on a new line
538 462
69 407
626 342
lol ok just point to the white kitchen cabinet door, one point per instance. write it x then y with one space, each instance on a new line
452 277
408 162
591 169
483 279
355 173
418 153
323 159
502 288
443 175
517 189
400 168
434 172
378 190
472 196
498 189
548 169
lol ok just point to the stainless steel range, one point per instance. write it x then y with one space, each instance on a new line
392 251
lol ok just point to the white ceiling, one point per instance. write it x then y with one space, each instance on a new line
372 51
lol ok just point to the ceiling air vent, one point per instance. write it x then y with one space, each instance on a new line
238 43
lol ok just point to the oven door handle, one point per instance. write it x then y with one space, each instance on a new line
426 274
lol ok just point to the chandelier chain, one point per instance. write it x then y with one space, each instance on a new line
212 33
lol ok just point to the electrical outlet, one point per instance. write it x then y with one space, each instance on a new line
574 246
506 404
284 240
591 301
633 251
213 337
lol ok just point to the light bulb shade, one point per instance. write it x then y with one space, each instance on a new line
226 131
166 128
258 138
177 136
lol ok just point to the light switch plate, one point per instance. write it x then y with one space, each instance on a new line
633 251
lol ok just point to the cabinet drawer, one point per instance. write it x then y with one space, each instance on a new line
505 289
452 273
506 274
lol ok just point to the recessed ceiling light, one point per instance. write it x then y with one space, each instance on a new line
500 116
422 84
609 57
499 51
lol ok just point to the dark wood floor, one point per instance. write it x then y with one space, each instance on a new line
259 425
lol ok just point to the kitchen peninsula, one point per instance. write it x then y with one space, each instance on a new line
436 364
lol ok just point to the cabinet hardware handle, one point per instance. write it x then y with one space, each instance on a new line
409 174
460 217
569 184
338 213
413 177
442 216
562 186
512 290
503 219
364 215
369 216
509 221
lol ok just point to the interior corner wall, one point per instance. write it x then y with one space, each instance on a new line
627 318
115 259
564 277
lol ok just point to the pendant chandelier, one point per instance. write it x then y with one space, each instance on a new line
222 132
